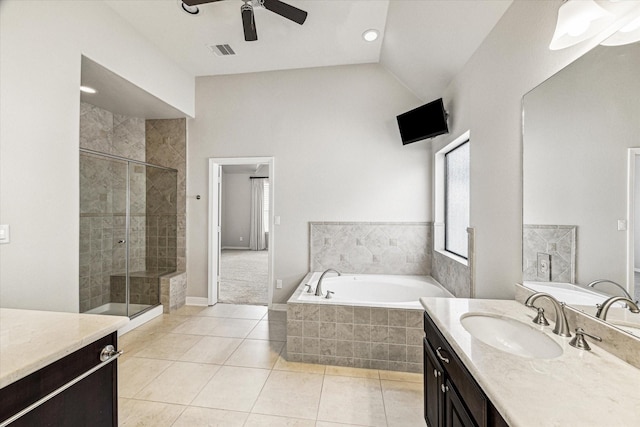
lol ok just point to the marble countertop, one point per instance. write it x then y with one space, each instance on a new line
31 339
579 388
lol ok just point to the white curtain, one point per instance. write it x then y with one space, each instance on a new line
257 241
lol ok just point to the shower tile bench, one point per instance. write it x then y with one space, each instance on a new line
151 286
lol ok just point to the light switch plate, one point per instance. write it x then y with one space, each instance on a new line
5 236
544 267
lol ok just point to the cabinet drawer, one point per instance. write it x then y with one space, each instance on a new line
461 379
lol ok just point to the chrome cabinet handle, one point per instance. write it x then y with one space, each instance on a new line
444 359
435 373
444 388
108 352
122 241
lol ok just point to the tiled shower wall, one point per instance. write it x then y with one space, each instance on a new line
559 241
103 201
157 208
371 247
166 145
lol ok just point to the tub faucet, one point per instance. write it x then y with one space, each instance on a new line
319 285
604 308
595 282
562 327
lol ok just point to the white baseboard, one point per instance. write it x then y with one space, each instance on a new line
240 248
200 301
279 307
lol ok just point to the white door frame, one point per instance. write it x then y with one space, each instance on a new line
631 212
213 220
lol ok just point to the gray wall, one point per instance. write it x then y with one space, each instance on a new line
236 209
40 115
486 98
337 150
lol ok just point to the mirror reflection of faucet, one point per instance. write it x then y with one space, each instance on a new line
604 308
626 294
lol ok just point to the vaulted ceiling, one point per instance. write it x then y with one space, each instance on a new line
424 43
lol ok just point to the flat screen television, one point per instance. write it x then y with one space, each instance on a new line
424 122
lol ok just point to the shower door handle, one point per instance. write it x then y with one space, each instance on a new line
122 241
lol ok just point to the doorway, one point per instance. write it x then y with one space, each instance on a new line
241 238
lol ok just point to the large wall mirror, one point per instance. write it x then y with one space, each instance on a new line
581 191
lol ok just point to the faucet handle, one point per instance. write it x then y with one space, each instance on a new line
579 340
329 293
309 291
540 319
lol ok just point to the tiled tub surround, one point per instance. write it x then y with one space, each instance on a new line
371 247
559 241
577 388
354 335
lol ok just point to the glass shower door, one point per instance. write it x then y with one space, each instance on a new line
103 235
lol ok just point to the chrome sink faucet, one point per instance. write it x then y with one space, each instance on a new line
562 326
319 285
595 282
604 308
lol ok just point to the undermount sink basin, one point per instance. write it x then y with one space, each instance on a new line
510 335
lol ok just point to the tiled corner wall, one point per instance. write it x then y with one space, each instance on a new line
559 241
455 277
362 337
371 247
166 145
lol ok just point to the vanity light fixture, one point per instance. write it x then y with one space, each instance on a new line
630 33
579 20
370 35
88 89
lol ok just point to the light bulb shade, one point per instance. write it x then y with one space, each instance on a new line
579 20
630 33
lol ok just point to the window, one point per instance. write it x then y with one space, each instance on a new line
265 205
452 199
456 200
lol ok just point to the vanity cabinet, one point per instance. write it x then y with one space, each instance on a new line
92 401
451 395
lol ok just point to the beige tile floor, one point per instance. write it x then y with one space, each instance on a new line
225 366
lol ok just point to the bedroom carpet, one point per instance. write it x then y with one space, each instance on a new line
243 277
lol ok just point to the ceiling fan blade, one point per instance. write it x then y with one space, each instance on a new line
286 10
249 24
197 2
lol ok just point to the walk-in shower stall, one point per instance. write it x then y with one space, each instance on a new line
128 229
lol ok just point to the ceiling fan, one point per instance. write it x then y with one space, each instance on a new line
248 21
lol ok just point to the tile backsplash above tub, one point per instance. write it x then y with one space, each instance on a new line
371 247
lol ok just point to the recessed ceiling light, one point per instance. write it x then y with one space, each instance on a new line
87 89
370 35
191 10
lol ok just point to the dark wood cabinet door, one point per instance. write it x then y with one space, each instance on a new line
455 413
433 380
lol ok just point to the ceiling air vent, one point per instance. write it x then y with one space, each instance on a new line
221 49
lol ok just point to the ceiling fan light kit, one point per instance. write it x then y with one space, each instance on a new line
248 18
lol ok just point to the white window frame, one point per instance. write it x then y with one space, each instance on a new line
439 193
